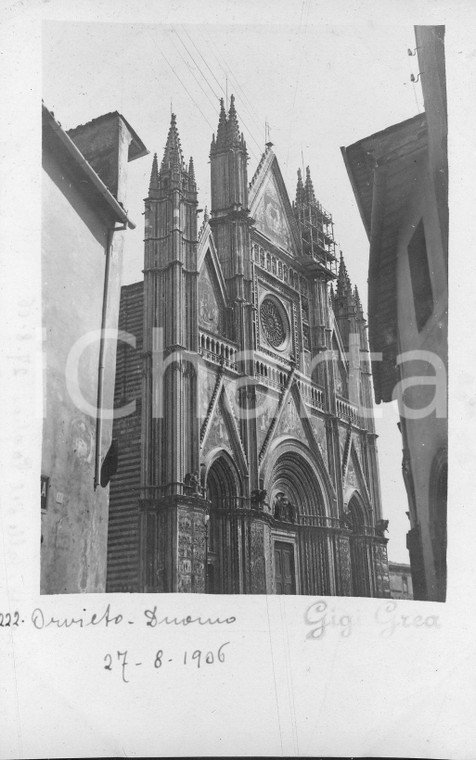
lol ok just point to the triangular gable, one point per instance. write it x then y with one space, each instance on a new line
313 438
294 422
355 477
222 432
207 254
342 375
336 338
290 422
211 294
270 206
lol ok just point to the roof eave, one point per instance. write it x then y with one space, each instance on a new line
114 207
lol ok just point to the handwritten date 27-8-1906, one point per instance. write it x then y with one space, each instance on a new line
198 658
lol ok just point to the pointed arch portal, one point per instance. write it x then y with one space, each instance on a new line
223 493
293 475
360 548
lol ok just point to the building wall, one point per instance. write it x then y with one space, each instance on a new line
74 523
400 581
426 438
123 536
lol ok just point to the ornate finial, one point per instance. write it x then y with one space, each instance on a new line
191 169
154 175
173 157
221 129
344 287
206 216
233 132
299 188
310 196
357 300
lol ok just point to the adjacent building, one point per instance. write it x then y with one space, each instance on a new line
400 580
84 219
400 180
247 456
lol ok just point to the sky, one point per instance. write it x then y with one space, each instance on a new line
318 87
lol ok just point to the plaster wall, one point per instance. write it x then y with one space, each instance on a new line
427 435
74 523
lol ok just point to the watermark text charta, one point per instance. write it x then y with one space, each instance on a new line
251 379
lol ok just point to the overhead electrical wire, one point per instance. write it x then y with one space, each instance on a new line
185 88
212 103
239 110
208 83
227 71
220 86
260 147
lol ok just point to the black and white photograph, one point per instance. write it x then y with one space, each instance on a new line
236 287
233 288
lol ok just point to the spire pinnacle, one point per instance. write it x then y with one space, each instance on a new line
154 175
221 129
228 133
344 287
357 300
309 187
191 169
233 126
299 188
173 158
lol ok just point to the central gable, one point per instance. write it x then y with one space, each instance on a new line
271 209
212 295
210 307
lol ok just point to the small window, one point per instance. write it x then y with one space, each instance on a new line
420 276
45 483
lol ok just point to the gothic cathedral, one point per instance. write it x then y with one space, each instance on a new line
247 447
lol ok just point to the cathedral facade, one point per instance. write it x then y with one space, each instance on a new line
247 448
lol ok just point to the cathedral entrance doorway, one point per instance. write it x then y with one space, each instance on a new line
360 549
302 549
285 580
223 493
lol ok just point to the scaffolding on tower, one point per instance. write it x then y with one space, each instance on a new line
316 228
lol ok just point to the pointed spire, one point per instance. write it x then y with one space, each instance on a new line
228 133
191 170
154 175
233 126
357 300
173 157
344 287
310 196
221 129
299 188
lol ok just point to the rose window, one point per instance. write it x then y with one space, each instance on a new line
272 323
